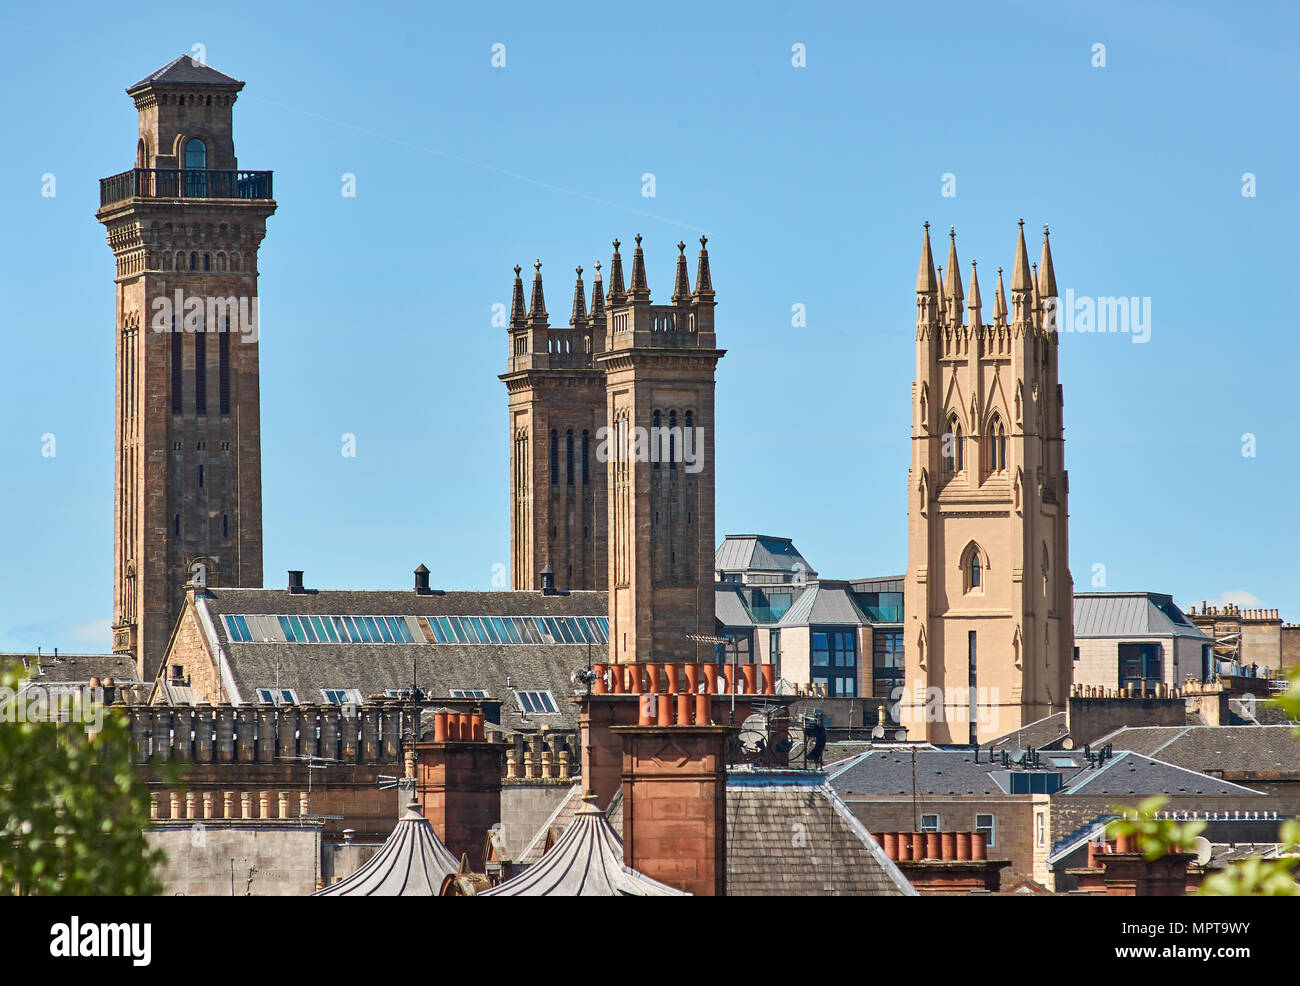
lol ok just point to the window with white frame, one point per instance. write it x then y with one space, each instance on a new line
537 703
987 826
277 696
930 823
469 693
1040 828
341 696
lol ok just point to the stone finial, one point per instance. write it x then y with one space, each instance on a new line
639 290
682 283
617 293
579 315
537 304
517 312
703 277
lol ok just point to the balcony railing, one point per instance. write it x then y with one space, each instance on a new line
187 183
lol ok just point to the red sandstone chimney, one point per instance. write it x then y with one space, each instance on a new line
458 784
675 805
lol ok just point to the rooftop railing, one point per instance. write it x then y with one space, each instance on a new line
184 183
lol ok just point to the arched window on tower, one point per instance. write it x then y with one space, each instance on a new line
555 457
672 439
654 438
974 567
953 447
568 450
586 458
996 456
196 163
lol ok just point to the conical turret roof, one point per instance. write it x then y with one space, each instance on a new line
413 862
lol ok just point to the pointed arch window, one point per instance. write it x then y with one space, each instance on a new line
997 445
568 449
954 447
974 566
654 432
555 457
586 458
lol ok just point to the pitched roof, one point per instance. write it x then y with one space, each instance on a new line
790 834
729 607
937 772
412 862
760 553
1039 734
824 603
587 861
1125 614
373 668
185 70
1236 749
1135 775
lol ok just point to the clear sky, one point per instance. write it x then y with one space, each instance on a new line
812 183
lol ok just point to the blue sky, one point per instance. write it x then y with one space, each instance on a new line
812 184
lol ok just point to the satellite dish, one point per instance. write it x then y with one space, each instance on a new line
1203 850
1067 744
753 734
878 733
1017 755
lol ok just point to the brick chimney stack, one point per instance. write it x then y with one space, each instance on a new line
675 805
458 784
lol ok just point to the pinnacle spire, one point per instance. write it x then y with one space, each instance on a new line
703 279
682 285
1046 275
1000 303
617 293
537 306
597 297
1020 277
925 282
579 316
639 290
517 313
952 289
975 303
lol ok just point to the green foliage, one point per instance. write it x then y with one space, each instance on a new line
1260 877
1154 836
72 811
1289 700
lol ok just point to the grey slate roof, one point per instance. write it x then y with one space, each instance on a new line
186 71
70 669
1039 734
587 861
885 583
760 553
1130 774
938 772
412 862
793 836
825 602
1217 748
1130 614
372 668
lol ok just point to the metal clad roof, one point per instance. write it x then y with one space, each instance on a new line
1127 614
412 862
761 553
587 861
730 609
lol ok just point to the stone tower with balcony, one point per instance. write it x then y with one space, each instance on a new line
557 408
185 225
988 635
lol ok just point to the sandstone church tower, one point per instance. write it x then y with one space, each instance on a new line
557 405
659 363
988 595
611 461
184 225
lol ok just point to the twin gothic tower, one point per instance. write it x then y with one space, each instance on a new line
612 453
988 637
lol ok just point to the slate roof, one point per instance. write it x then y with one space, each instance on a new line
1130 774
938 772
790 835
184 70
1039 734
76 669
760 553
1218 748
372 668
586 862
824 602
1130 614
412 862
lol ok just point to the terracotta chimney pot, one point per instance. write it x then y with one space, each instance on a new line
598 686
890 844
749 675
769 678
440 727
646 715
672 673
963 845
683 709
692 678
665 710
948 845
977 850
703 709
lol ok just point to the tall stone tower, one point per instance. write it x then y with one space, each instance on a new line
557 407
184 225
659 363
988 596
